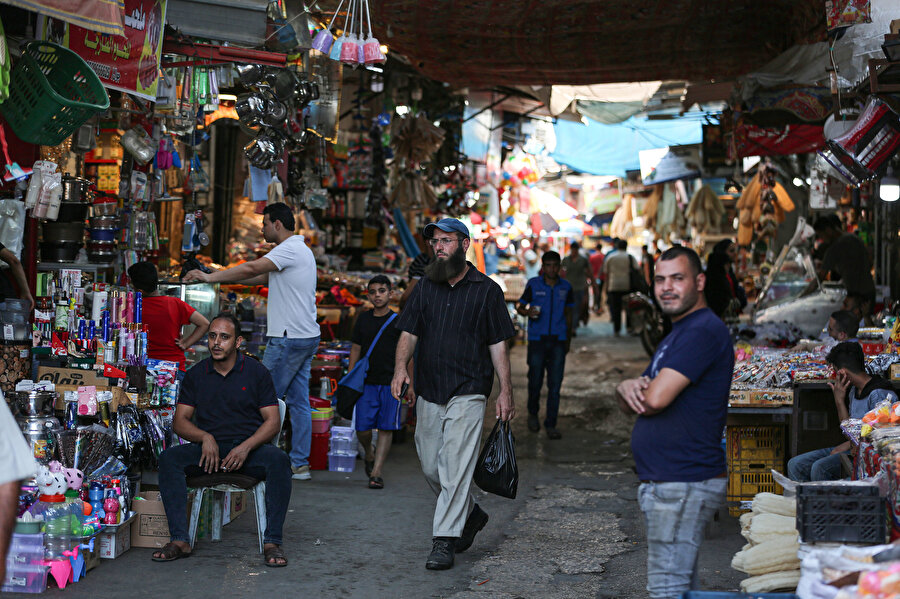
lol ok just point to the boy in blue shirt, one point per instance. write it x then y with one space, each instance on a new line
376 408
547 302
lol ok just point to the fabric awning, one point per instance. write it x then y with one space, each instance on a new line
102 16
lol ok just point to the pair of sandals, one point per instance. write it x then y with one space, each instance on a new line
274 556
375 482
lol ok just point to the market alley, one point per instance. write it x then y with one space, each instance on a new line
573 531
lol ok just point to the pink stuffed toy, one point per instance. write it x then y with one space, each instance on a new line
74 478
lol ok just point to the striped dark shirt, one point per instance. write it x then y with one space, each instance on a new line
455 326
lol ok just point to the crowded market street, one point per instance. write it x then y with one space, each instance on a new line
573 531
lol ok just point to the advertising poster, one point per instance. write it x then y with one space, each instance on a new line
128 63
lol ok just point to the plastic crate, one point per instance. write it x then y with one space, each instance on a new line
755 443
343 446
338 462
841 514
746 478
342 432
25 579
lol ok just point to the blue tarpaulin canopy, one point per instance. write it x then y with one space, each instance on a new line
613 149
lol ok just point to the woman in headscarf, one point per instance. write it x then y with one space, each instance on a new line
724 293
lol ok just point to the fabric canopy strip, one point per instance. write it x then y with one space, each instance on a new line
581 42
102 16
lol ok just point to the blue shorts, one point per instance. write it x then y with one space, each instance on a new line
377 409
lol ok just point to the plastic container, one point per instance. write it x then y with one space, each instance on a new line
10 317
746 478
343 432
14 305
755 443
321 425
338 462
25 557
53 91
62 523
25 579
23 542
318 452
343 446
840 514
318 403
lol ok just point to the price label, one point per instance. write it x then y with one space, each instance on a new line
8 332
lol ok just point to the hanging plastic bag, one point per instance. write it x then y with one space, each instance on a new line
496 471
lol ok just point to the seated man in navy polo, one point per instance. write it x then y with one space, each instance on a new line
548 303
231 399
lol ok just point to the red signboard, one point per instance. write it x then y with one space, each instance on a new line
128 63
750 140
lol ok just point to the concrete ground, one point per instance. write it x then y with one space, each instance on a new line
573 531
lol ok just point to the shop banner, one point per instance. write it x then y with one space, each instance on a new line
128 63
104 16
662 165
750 140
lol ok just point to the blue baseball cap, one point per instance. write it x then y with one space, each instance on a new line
447 225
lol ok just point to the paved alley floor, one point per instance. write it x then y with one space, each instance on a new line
573 531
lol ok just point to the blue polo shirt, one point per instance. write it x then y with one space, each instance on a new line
227 407
553 301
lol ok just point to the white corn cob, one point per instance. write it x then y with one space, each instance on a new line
774 581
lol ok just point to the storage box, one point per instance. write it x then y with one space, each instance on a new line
115 539
25 579
341 463
754 443
746 478
895 372
840 513
150 527
235 505
71 376
344 446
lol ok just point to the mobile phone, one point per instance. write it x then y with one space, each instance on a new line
403 390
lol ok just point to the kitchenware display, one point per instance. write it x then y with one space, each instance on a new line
102 234
102 251
31 403
104 222
39 433
54 251
139 144
104 208
62 232
72 212
76 189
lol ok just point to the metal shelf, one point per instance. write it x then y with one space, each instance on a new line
89 266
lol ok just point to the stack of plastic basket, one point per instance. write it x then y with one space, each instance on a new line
342 457
753 452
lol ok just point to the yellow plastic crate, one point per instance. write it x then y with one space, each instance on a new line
746 478
755 443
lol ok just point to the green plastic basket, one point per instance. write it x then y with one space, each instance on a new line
52 93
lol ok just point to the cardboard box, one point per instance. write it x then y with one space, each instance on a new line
119 398
772 396
235 505
71 376
115 539
91 557
895 372
150 527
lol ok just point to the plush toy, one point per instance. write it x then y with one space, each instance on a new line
55 466
74 478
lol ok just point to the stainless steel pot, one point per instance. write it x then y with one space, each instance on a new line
70 212
104 222
62 232
39 433
55 251
76 189
32 403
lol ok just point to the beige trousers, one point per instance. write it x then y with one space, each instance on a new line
448 438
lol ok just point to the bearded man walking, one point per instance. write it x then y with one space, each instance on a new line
460 317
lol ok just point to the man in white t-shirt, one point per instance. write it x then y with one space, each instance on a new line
289 270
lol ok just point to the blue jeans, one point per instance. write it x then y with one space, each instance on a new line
265 462
289 361
550 356
815 466
675 515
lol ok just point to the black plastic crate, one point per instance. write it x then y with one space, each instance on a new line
840 513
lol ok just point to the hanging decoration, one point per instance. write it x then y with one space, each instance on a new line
414 140
761 206
351 48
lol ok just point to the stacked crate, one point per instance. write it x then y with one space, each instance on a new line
752 452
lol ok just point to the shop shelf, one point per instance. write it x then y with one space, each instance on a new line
341 463
841 513
755 443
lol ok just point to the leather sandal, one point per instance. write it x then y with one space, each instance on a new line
170 552
376 482
271 555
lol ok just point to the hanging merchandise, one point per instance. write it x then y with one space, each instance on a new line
53 91
199 178
704 212
323 40
860 154
761 206
139 144
4 65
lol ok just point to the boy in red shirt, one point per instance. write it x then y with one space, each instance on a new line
164 317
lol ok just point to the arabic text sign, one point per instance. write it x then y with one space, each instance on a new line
128 63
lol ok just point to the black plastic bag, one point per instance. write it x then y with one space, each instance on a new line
346 400
496 471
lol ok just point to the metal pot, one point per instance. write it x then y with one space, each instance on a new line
103 234
63 232
71 212
76 189
28 404
104 222
104 208
39 433
54 251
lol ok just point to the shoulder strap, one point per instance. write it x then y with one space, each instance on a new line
378 336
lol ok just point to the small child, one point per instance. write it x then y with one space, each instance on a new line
376 408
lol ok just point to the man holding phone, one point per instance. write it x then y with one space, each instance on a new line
460 316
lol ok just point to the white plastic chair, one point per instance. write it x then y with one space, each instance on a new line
255 486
